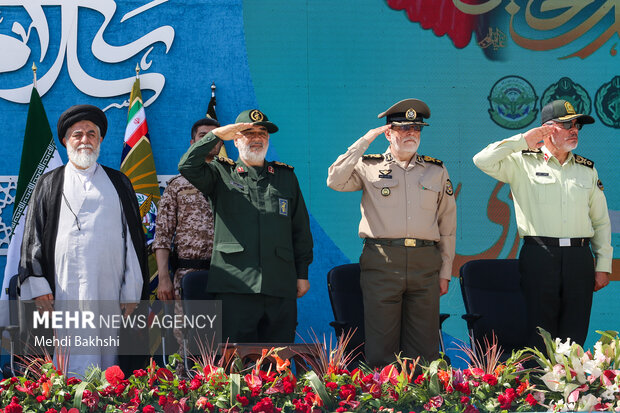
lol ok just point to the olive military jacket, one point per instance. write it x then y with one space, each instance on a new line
262 241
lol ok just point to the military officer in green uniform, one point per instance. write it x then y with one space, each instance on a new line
561 213
409 229
262 243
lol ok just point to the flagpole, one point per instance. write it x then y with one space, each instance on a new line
137 71
34 74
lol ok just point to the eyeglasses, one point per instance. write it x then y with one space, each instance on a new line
404 128
569 124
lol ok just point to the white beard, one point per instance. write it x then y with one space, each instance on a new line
248 155
82 158
566 146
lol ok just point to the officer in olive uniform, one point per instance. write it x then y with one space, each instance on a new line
561 211
408 225
263 245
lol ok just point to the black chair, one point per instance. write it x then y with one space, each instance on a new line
494 303
345 296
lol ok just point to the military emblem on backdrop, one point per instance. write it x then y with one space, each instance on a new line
607 103
513 102
568 90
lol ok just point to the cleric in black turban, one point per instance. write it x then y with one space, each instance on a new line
78 113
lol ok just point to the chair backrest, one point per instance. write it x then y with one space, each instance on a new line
345 295
194 286
491 288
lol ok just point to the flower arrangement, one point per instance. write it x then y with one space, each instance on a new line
569 379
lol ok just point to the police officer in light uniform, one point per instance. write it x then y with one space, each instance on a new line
408 225
561 211
263 245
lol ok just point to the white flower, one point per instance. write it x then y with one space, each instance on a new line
562 349
553 381
587 403
610 392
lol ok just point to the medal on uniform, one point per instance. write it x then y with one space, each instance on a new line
283 206
270 169
385 191
385 173
240 169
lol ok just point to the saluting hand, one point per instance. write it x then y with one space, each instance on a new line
535 136
230 132
372 134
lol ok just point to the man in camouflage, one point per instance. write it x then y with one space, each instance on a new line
184 218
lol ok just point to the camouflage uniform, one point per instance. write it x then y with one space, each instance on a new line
185 216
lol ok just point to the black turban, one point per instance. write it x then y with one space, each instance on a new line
78 113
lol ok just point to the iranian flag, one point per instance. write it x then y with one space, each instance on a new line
39 155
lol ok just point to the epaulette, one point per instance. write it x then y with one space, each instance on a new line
583 161
373 156
282 165
223 159
172 179
432 160
537 150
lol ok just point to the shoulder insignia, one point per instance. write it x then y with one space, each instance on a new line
223 159
537 150
449 188
282 165
600 185
583 161
432 160
373 156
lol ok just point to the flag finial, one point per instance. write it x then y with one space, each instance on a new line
137 71
34 75
213 89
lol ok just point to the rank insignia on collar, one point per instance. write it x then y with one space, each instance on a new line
449 188
600 185
270 169
537 150
373 156
388 157
386 191
240 169
432 160
385 173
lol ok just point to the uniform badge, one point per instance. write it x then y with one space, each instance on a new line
449 189
240 169
237 185
256 115
388 157
283 206
600 185
385 191
385 173
411 114
270 169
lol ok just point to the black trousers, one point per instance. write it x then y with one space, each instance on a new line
258 318
557 283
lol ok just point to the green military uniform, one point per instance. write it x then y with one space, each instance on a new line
262 241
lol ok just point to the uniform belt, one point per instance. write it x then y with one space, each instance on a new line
201 264
402 242
557 242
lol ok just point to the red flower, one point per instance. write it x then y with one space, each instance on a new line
162 401
470 409
114 375
288 386
531 400
419 380
164 375
40 399
489 378
341 409
194 384
347 392
264 406
331 385
243 400
148 409
140 373
51 411
463 388
73 380
464 400
14 406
